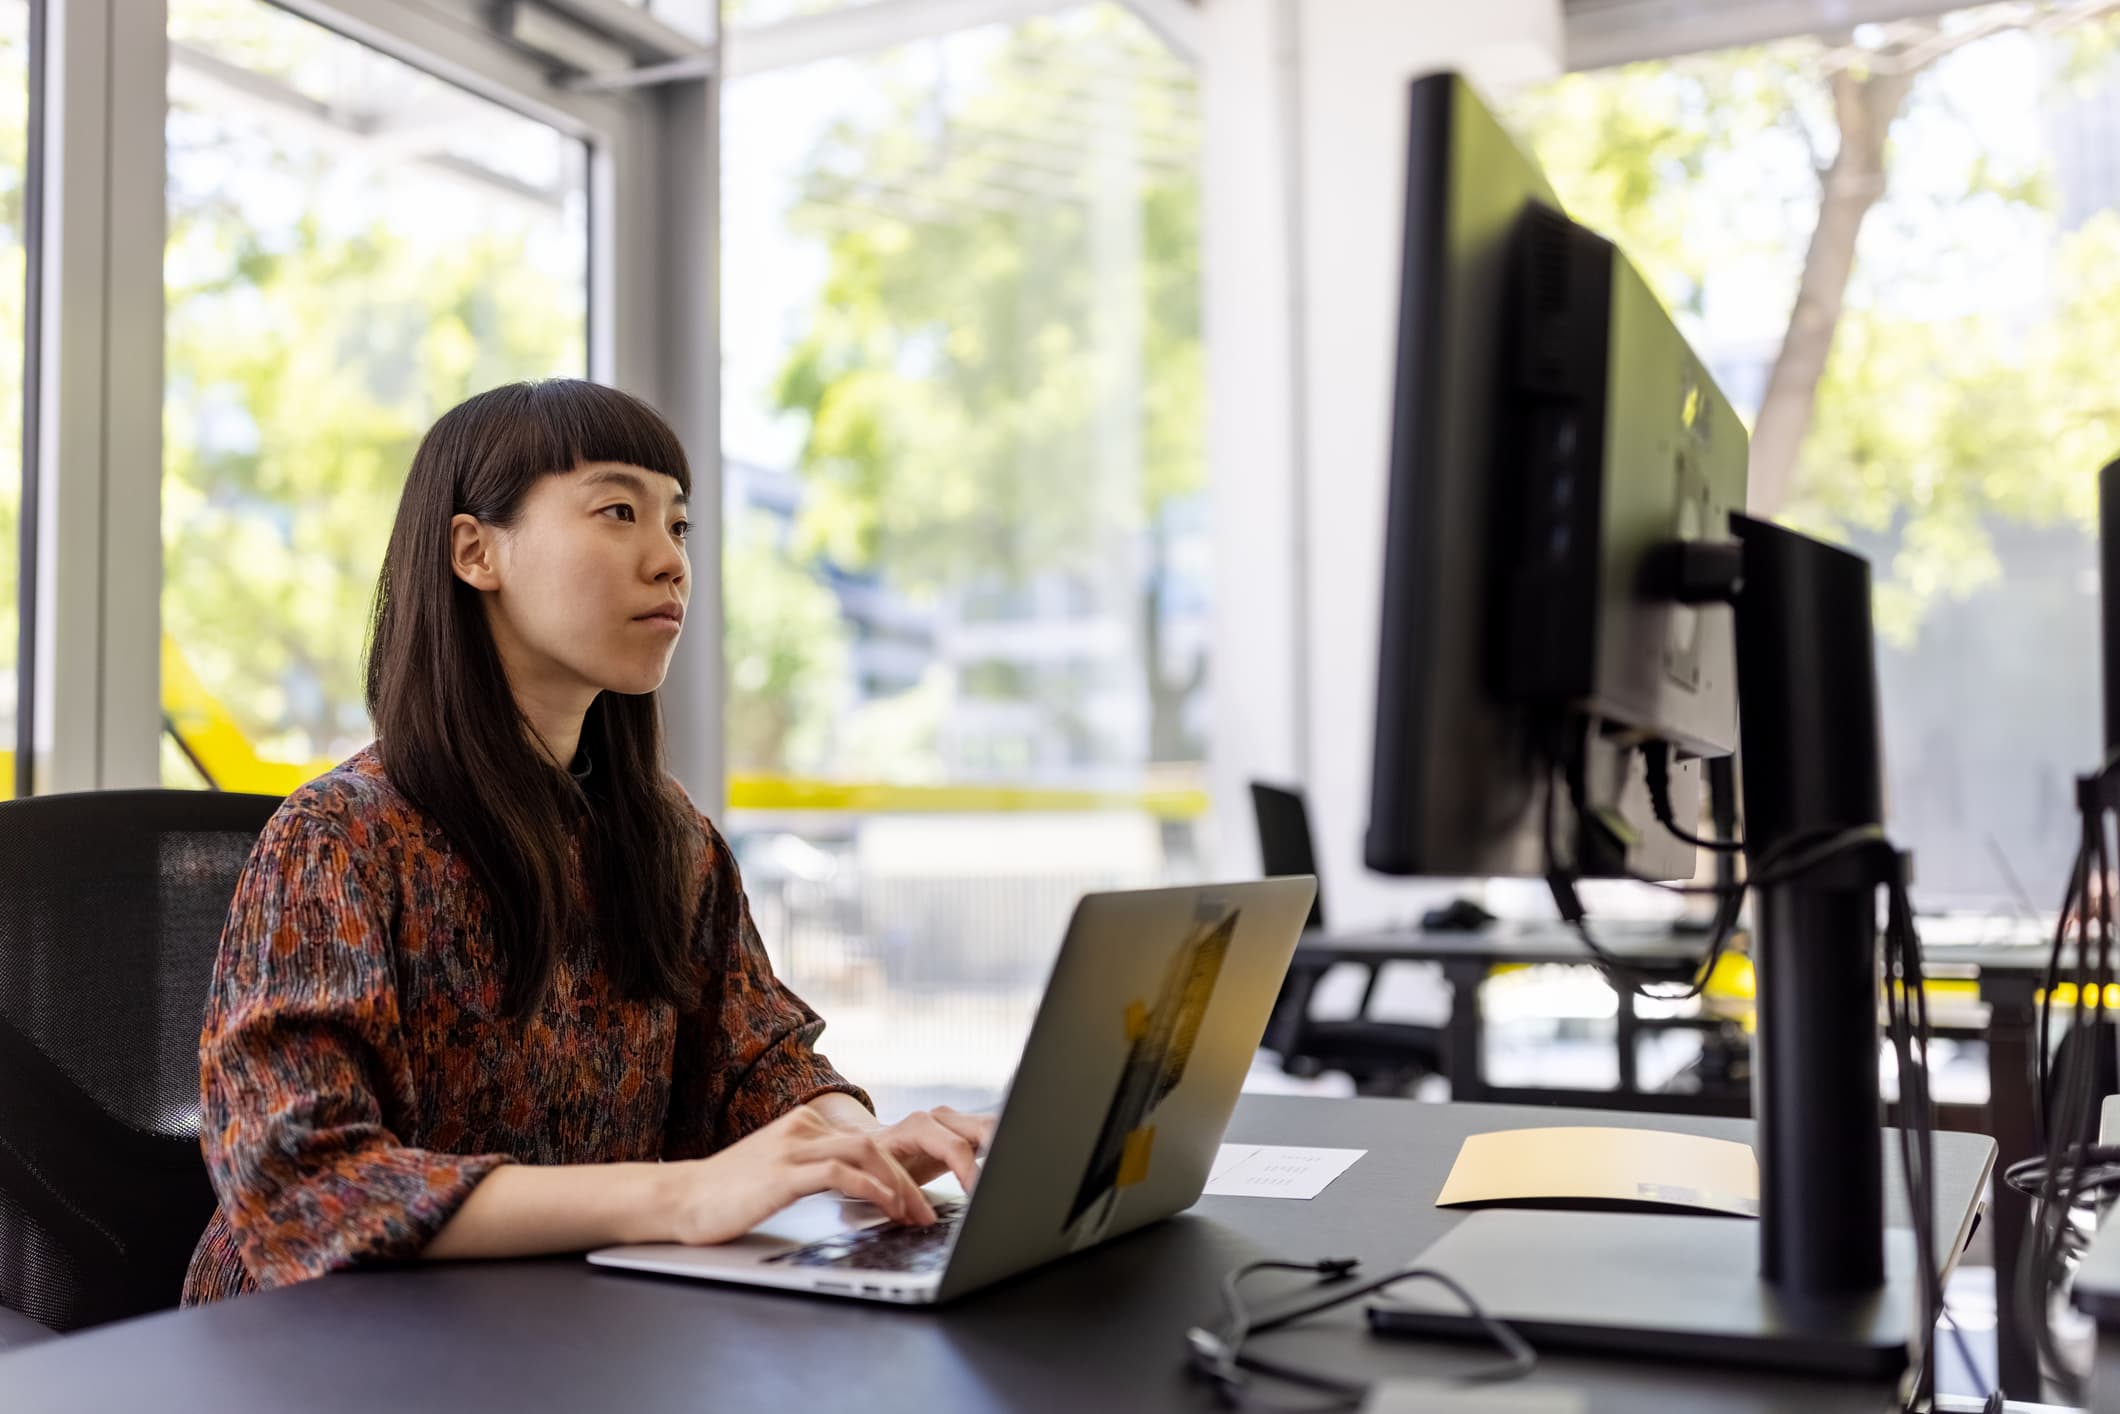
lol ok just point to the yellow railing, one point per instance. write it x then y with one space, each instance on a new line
213 737
792 793
2065 996
211 734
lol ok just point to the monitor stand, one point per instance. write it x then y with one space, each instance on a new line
1656 1286
1817 1283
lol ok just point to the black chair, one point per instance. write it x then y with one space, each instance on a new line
111 907
1383 1057
1284 841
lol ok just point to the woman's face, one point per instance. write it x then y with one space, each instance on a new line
586 592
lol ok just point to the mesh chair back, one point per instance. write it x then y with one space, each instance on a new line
1284 840
111 908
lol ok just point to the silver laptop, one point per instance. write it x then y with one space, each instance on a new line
1156 1004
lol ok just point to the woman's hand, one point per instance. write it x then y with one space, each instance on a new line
930 1143
724 1196
926 1143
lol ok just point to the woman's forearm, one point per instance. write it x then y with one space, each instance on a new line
529 1210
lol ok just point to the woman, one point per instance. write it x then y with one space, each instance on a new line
491 987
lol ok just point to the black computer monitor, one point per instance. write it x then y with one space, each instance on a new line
1567 484
1552 436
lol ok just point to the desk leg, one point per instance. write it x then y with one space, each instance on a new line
1629 1031
1284 1027
1463 1037
2012 1036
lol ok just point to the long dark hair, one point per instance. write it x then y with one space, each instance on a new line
454 742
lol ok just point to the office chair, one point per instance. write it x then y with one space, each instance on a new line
111 907
1284 841
1382 1057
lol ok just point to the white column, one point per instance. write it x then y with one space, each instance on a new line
667 300
99 465
1306 111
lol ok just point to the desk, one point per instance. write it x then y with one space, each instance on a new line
2010 976
1099 1331
1466 957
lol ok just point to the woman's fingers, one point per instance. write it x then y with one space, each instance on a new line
865 1151
940 1142
976 1130
856 1182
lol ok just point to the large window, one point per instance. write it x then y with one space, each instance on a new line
354 246
966 559
1899 248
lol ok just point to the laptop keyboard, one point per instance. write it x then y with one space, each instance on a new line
890 1248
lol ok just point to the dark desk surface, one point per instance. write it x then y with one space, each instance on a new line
1102 1330
1645 945
2027 959
1642 944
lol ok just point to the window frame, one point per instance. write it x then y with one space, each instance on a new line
22 775
652 155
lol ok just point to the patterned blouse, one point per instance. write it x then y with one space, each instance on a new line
358 1075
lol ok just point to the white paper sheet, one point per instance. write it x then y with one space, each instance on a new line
1276 1170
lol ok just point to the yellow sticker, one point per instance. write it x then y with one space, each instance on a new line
1136 1020
1133 1159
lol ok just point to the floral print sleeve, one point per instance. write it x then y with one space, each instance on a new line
302 1070
744 1055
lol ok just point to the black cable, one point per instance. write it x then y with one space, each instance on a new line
2099 1162
2053 970
1909 1027
2082 1075
1792 857
2068 1172
1619 974
1795 856
1656 758
1221 1356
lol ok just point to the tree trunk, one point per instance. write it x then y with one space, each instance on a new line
1168 739
1849 187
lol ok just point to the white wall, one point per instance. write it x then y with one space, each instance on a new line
1305 106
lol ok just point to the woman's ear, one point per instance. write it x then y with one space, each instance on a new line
473 552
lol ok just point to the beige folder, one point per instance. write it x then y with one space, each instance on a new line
1601 1168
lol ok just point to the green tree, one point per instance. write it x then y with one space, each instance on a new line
323 362
305 355
1001 377
785 647
1774 158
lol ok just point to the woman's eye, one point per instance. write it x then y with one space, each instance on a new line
682 529
623 512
